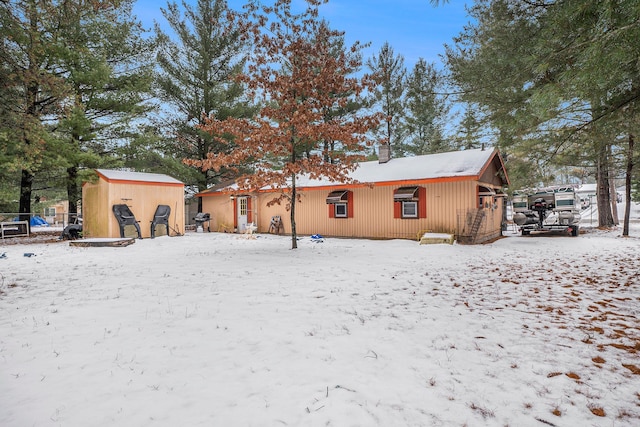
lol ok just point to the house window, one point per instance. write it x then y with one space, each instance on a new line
243 206
340 210
409 209
49 212
340 204
410 202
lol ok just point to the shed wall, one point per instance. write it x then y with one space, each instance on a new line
221 210
142 199
95 197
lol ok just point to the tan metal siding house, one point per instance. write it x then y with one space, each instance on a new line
458 193
142 192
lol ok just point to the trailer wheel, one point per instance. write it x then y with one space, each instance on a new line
575 231
525 232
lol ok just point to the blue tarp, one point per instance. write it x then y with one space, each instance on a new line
38 221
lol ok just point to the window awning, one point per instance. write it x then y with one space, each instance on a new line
404 194
485 191
338 196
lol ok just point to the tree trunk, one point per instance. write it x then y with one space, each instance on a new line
202 185
605 217
329 147
203 181
72 194
26 183
294 235
614 200
627 182
26 179
613 194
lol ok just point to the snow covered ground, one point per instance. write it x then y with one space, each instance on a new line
217 330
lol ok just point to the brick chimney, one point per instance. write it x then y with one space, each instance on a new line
384 153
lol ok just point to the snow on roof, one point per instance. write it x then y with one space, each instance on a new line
118 175
430 166
467 163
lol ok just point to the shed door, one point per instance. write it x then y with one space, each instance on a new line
243 212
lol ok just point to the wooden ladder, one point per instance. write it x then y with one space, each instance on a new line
477 221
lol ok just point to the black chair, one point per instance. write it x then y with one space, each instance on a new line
161 217
125 217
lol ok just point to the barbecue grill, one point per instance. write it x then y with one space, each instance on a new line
200 219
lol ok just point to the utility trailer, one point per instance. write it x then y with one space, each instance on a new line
547 209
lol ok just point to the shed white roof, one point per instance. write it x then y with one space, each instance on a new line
118 175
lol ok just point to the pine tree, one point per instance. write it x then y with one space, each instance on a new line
390 74
197 81
555 79
354 105
469 135
107 65
426 111
30 49
75 81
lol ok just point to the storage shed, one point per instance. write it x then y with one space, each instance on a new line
142 193
459 193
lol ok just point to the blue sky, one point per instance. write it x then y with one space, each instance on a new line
414 28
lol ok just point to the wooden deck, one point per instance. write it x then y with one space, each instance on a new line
103 242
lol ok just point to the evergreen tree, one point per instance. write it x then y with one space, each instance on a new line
197 81
74 84
108 68
425 111
390 74
354 104
556 79
9 178
469 132
30 49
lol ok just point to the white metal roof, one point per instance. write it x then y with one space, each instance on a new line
430 166
119 175
467 163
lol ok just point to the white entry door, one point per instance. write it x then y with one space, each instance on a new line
243 210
